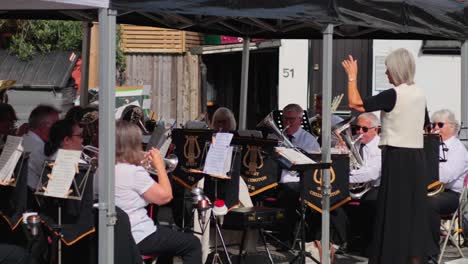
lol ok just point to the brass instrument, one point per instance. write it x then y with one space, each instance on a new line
135 115
356 190
170 162
90 154
316 120
269 122
90 124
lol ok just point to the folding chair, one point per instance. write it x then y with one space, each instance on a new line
463 203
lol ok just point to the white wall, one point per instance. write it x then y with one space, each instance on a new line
438 75
292 80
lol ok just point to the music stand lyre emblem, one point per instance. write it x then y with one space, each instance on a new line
191 150
253 160
318 178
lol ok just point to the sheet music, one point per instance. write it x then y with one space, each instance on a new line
63 173
11 153
218 154
294 156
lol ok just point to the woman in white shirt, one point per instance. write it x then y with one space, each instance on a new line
135 189
451 172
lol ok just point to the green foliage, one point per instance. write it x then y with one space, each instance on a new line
41 36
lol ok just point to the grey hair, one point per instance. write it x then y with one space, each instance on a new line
227 113
445 114
401 67
375 121
293 107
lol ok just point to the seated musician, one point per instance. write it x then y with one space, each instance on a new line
223 120
316 120
361 217
289 187
451 172
40 120
7 122
63 134
367 125
135 189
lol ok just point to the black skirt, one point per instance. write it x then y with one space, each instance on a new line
402 228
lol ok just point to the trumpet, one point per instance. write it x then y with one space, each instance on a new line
170 162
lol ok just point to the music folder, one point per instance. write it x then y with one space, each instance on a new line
12 152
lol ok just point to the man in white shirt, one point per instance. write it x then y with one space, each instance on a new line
41 120
451 172
361 216
289 188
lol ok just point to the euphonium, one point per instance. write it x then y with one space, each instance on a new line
356 190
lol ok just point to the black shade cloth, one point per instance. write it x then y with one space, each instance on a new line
13 200
259 168
189 148
339 180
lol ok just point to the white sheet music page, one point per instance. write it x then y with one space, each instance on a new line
63 173
217 154
294 156
11 153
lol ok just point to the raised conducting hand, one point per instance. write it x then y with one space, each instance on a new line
350 67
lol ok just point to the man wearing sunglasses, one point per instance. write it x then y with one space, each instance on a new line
451 172
361 217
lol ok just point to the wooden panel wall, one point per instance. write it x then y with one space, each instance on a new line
139 39
174 80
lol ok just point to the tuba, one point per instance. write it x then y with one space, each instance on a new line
269 122
316 120
343 129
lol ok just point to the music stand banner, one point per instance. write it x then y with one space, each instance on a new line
431 151
339 180
189 148
259 168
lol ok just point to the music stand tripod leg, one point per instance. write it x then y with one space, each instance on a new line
262 235
302 254
216 256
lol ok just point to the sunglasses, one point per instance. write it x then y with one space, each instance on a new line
364 129
439 124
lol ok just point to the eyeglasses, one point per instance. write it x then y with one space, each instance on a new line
364 129
77 135
439 124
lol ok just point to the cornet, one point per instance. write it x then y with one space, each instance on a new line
170 162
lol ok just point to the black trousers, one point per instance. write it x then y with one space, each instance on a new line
361 220
288 198
11 254
167 242
445 203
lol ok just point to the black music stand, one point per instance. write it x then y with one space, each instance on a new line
190 147
302 254
77 205
13 195
258 167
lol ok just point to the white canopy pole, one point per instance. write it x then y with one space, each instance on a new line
326 136
86 45
106 168
244 84
464 84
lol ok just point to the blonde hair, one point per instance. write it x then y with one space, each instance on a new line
224 112
128 140
401 67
